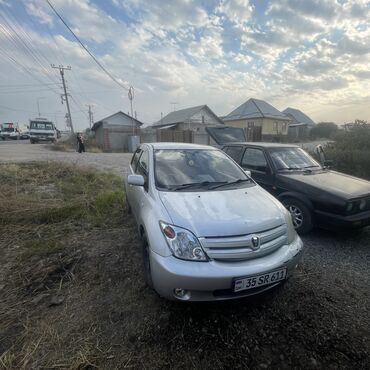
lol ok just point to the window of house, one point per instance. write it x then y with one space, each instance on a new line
254 159
202 119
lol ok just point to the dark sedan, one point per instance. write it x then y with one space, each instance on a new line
314 195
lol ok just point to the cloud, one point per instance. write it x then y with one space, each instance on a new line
237 11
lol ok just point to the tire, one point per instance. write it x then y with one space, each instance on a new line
146 263
301 215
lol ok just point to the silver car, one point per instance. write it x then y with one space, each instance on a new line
209 231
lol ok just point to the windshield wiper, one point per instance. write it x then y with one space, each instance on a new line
228 183
193 184
288 168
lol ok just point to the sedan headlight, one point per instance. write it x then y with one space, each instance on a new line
183 243
362 204
349 207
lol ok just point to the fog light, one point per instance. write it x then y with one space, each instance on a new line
181 293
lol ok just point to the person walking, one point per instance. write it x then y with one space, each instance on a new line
80 143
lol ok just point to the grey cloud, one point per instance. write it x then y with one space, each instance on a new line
349 46
314 66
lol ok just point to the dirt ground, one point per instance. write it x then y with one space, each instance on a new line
86 306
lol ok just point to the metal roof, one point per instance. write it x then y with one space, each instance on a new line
298 116
98 123
255 108
164 145
182 115
265 145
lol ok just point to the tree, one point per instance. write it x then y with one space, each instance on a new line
324 130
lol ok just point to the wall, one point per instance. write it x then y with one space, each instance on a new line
272 126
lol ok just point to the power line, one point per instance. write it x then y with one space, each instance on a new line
86 49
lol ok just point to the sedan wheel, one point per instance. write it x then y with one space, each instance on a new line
301 215
297 216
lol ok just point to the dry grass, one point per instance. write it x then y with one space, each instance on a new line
44 209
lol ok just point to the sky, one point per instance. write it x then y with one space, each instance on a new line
312 55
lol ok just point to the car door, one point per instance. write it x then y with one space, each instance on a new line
140 192
254 160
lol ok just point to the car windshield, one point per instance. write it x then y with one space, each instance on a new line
194 169
292 159
41 125
8 129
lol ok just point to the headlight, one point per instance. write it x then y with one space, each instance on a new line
183 243
349 207
292 234
362 205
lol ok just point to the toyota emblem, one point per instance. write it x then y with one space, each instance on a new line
255 242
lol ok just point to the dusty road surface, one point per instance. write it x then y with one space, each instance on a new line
109 319
23 151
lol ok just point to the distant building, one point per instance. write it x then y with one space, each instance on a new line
300 125
194 119
112 132
260 120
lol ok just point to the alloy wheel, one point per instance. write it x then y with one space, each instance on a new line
297 215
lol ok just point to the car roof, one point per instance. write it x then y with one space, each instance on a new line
264 145
179 146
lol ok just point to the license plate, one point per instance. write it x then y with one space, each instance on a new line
259 280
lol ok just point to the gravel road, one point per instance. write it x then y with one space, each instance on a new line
23 151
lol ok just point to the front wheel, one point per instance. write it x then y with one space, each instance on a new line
301 215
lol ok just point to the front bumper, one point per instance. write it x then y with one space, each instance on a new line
333 221
213 280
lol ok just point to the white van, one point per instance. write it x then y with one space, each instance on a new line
9 131
42 130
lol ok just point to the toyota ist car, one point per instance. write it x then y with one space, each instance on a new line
209 231
314 194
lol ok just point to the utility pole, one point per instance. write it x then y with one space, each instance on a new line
131 97
61 70
174 105
91 116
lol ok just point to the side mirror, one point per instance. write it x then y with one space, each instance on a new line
136 180
248 173
328 163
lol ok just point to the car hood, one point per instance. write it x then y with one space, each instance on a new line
344 186
224 212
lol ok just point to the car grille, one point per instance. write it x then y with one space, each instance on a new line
240 247
41 134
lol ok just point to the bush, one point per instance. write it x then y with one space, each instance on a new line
323 130
351 152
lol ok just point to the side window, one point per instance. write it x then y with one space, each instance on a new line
135 159
143 165
235 152
254 159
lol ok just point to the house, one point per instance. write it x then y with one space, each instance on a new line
194 119
260 120
300 125
112 132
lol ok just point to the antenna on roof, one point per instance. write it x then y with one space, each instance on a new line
174 105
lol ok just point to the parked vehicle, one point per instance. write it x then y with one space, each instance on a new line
24 135
314 195
9 131
209 231
42 130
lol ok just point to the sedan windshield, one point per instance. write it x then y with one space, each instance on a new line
293 159
194 169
